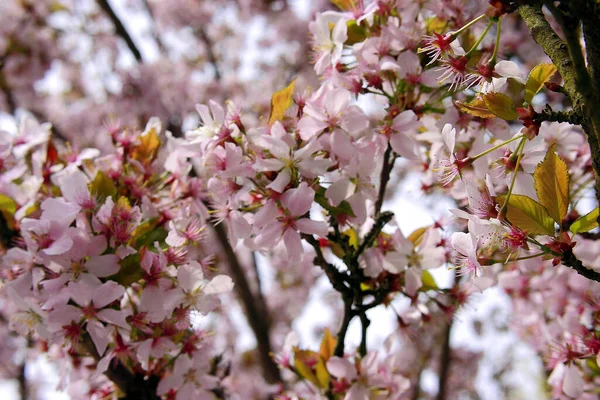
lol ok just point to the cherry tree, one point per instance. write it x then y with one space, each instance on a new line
146 184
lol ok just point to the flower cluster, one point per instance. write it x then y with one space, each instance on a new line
111 257
106 262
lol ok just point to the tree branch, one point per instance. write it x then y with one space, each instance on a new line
336 278
8 95
154 29
120 29
212 59
572 117
256 310
364 322
341 336
381 220
134 386
570 260
385 177
568 60
445 361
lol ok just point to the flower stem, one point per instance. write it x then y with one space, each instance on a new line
467 26
478 42
520 148
488 151
497 45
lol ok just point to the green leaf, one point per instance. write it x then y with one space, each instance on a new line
539 75
322 374
551 179
7 204
345 5
501 105
586 223
281 101
302 360
528 215
102 186
592 364
356 33
343 209
436 24
147 233
131 271
8 208
476 108
428 281
352 237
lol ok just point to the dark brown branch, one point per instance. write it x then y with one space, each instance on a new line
445 361
386 169
380 221
572 117
256 310
570 260
8 95
154 29
568 60
120 29
341 336
23 389
364 322
133 386
336 278
256 274
210 53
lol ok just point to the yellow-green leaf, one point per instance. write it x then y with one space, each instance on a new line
417 236
591 363
148 148
7 204
528 215
327 345
337 250
476 108
364 286
501 105
436 24
147 233
130 272
551 179
352 237
302 360
281 101
539 75
102 186
322 374
356 33
8 208
345 5
586 223
428 281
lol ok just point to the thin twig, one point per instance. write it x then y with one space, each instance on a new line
120 29
256 310
154 30
364 322
385 177
210 53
